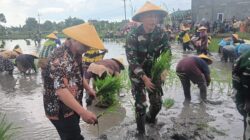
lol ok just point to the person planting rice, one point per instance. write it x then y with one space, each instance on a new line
143 46
185 38
100 69
5 63
194 69
63 82
25 62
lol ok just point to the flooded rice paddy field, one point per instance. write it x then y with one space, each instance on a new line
21 101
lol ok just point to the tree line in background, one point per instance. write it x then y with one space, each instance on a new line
32 28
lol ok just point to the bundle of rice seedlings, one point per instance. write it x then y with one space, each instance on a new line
160 66
6 129
108 89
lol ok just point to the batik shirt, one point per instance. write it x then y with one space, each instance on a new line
63 71
143 48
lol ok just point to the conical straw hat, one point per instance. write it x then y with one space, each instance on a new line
202 28
236 36
51 36
85 34
34 54
203 56
120 60
18 50
149 7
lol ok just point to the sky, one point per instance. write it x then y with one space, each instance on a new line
17 11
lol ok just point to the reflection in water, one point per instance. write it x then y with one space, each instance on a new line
7 83
194 111
27 84
106 121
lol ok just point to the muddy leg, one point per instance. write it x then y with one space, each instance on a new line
186 86
155 99
140 106
202 84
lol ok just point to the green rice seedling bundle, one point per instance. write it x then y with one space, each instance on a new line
160 65
108 88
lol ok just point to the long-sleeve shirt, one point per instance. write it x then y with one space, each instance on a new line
143 48
194 67
25 61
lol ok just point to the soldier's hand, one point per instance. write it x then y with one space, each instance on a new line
88 117
147 81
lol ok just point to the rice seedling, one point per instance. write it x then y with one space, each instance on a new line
168 103
222 84
172 79
126 80
160 65
213 46
108 88
6 129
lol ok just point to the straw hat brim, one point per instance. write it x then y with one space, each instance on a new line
160 13
18 50
149 8
202 28
120 61
236 36
203 56
85 34
34 55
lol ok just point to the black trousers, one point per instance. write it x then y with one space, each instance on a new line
68 128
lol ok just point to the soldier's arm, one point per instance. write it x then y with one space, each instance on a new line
132 56
165 43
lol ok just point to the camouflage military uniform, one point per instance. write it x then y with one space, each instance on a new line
141 49
241 82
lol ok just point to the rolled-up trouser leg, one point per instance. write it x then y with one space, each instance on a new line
185 84
155 99
140 106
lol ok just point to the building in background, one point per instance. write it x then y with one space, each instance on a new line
212 10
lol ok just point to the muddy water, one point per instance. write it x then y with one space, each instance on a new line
21 101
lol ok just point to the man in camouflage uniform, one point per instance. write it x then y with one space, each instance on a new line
143 45
241 83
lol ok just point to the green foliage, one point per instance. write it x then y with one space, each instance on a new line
163 62
213 46
168 103
6 129
108 88
244 35
221 83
